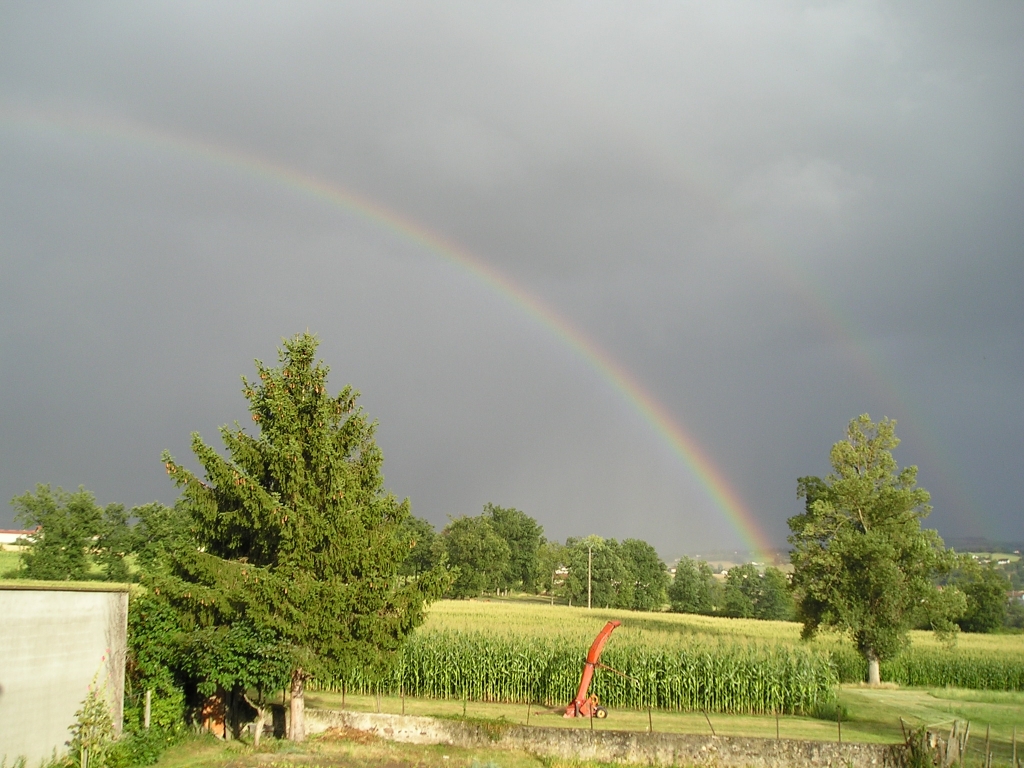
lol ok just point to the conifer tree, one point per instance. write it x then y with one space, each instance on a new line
296 531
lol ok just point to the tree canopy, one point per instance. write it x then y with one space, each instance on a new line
647 573
419 536
750 594
693 588
479 556
610 585
862 562
523 536
68 528
985 588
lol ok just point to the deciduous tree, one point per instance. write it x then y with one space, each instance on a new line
523 535
775 601
114 542
63 528
552 557
742 588
750 594
418 535
693 587
985 588
862 562
647 573
479 555
609 582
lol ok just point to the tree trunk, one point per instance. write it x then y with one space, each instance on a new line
260 706
297 724
874 676
261 719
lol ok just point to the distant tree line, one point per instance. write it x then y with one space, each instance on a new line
504 550
746 592
501 550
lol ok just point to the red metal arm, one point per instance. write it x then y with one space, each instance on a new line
579 706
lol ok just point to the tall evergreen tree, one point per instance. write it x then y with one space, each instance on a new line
296 530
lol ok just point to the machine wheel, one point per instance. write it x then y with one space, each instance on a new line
601 713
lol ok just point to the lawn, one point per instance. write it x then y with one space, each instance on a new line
873 715
9 562
347 750
869 715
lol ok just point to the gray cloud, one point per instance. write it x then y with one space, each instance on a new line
776 216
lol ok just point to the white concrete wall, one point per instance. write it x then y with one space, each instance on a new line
56 640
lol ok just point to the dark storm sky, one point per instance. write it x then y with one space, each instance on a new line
776 216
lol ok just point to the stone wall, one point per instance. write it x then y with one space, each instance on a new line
667 749
56 639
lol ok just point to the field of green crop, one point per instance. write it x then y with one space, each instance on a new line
718 677
993 662
522 650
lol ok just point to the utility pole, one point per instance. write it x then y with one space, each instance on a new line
590 562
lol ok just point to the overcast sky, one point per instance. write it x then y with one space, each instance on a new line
774 216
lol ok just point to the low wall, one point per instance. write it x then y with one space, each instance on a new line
56 639
668 749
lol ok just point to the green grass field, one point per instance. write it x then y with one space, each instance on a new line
872 716
9 562
347 751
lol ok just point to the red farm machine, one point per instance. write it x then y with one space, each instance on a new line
583 705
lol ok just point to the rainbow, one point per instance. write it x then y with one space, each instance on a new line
714 482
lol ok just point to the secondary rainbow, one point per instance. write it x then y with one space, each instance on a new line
662 421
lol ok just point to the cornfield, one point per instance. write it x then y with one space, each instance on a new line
515 653
989 662
717 677
931 667
956 668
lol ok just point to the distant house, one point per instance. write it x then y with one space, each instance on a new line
8 536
